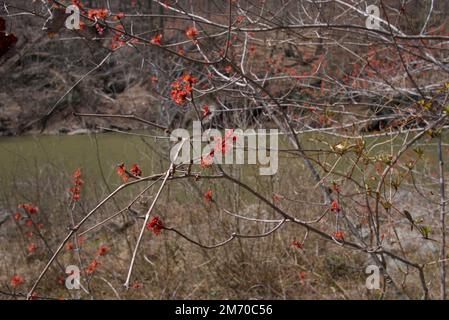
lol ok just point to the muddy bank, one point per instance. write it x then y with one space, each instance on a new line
28 116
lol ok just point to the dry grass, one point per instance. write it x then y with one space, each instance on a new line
169 267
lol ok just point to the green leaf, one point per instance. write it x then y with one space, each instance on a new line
425 231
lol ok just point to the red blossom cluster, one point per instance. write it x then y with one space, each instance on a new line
156 225
17 281
99 14
17 216
78 3
277 198
82 25
191 33
208 160
335 206
93 266
222 145
336 187
134 172
182 88
102 250
121 171
118 40
206 111
100 29
32 247
240 19
70 245
208 195
339 235
302 276
297 244
77 183
157 39
29 208
96 14
119 16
